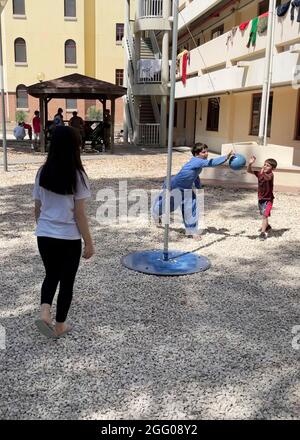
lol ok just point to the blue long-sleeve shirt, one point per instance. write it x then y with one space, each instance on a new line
189 173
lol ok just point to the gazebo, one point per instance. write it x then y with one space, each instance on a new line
75 86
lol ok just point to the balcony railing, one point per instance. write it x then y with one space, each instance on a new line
228 49
148 134
150 8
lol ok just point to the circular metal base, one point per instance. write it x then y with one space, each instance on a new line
153 262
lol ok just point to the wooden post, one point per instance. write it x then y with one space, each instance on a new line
112 126
42 119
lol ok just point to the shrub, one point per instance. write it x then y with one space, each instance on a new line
93 114
21 116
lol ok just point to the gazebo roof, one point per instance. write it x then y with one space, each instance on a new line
76 86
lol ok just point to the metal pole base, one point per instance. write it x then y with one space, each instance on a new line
153 262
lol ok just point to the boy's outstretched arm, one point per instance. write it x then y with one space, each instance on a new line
251 162
217 161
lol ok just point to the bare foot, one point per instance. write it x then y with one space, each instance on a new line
46 313
62 328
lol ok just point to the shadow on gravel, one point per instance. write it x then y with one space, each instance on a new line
207 346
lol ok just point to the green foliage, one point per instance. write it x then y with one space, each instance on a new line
21 116
93 114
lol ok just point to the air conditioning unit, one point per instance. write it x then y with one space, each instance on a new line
216 34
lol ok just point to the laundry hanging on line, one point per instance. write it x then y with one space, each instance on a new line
295 4
148 68
281 10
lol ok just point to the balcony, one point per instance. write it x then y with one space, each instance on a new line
150 9
193 10
226 64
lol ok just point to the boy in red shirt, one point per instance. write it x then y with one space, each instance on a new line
265 179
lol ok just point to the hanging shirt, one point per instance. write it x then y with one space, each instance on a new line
253 32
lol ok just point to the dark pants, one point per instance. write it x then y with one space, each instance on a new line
61 260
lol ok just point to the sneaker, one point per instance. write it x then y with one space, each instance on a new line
263 236
269 227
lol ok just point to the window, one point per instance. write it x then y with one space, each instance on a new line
22 96
119 32
212 123
19 7
255 115
71 104
216 32
70 8
175 115
70 52
119 77
20 51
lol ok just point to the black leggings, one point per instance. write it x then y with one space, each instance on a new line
61 260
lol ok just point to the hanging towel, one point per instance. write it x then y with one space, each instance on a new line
185 56
231 35
262 24
244 25
253 32
295 4
184 66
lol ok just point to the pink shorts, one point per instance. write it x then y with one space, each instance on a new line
265 207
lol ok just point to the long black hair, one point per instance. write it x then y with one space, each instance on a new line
59 173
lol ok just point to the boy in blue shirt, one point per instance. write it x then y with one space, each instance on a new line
182 185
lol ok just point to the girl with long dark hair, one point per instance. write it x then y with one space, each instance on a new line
61 188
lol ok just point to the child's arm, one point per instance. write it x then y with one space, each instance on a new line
37 209
215 162
83 226
251 162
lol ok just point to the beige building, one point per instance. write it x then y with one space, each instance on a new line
44 40
220 101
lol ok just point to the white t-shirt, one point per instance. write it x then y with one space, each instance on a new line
57 210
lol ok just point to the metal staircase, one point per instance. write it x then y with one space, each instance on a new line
143 70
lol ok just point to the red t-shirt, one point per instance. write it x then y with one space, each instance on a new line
265 186
36 124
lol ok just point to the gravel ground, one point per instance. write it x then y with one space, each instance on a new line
214 345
